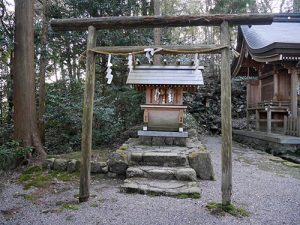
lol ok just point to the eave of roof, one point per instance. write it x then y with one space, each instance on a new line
277 38
165 75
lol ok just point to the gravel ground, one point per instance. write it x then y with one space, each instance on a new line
264 186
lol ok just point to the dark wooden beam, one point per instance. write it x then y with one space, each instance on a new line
166 49
126 22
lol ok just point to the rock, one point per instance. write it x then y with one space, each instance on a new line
164 159
73 165
111 175
291 164
158 141
118 163
169 140
193 133
95 167
48 163
136 157
60 164
161 187
99 167
201 162
145 140
186 174
134 172
104 169
180 141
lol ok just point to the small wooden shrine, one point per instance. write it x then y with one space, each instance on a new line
164 87
270 58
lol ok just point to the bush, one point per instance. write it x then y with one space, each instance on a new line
116 109
11 153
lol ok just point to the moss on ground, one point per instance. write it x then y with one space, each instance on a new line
70 206
124 147
35 176
180 196
220 210
187 195
97 154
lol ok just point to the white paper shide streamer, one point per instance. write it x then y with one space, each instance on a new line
198 72
130 62
150 53
109 76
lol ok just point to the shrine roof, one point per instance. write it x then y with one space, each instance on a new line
277 38
165 75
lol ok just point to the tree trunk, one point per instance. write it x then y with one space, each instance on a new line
42 90
9 90
25 124
68 59
296 6
157 31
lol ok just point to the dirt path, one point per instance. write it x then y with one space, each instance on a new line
262 184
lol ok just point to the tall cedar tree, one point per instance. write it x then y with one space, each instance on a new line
25 123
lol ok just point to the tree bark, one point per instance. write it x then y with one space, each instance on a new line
226 117
87 119
42 89
25 124
127 22
157 31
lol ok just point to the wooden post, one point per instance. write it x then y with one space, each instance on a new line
257 119
226 116
294 99
269 120
87 120
298 126
275 96
248 106
285 125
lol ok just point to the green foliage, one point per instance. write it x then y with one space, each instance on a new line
233 6
115 111
220 210
11 153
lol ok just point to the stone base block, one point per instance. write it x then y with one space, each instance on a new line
201 162
162 141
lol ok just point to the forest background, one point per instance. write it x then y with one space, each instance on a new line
59 73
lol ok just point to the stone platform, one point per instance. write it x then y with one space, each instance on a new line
276 144
166 170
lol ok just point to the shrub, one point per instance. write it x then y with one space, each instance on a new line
11 153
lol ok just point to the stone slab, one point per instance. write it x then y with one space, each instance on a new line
161 187
272 137
163 159
162 134
272 143
162 173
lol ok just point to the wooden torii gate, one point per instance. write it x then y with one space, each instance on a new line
97 23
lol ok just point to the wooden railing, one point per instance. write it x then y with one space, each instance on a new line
292 126
272 104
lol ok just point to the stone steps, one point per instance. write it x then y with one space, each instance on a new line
165 159
162 173
162 187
